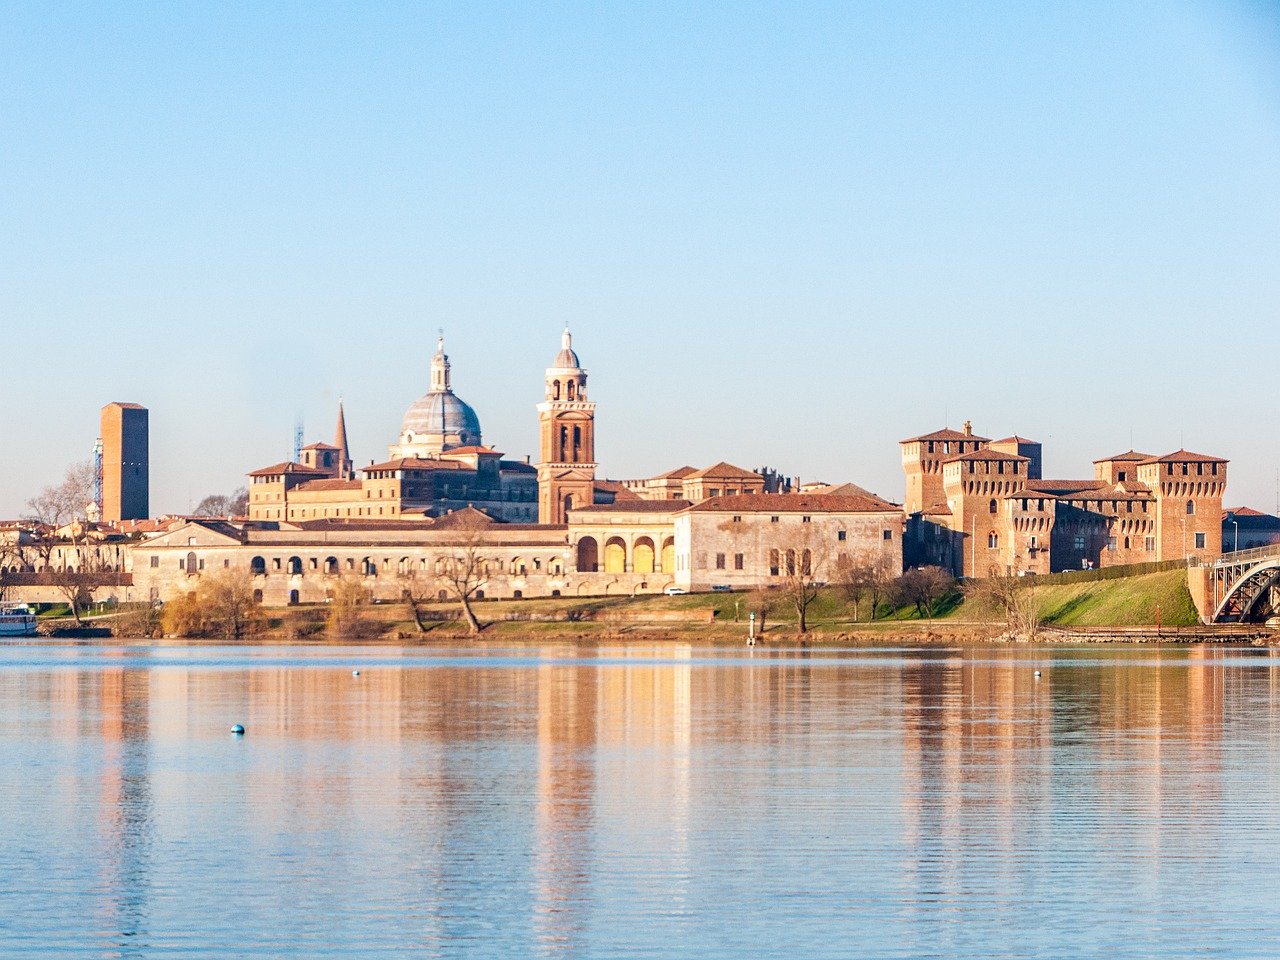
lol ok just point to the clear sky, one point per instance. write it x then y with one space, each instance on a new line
789 233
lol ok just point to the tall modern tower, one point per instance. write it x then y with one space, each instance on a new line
125 474
567 473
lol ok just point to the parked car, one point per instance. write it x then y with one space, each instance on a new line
721 588
674 591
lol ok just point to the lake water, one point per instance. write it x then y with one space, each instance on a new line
639 801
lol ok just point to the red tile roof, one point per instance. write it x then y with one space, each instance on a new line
329 484
1018 440
416 463
985 455
470 450
462 519
320 446
723 469
679 473
793 503
287 467
1184 456
1247 512
1129 456
946 434
634 506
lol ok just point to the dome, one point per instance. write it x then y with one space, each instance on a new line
566 359
443 414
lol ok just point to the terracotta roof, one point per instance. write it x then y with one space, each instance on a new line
841 490
334 483
634 506
460 519
287 467
947 434
1247 512
1129 456
1184 456
723 469
939 509
679 473
983 455
516 466
620 491
469 450
320 446
793 503
1017 439
416 463
1054 487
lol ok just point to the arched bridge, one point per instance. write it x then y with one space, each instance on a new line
1246 585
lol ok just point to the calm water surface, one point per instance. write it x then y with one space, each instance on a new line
639 801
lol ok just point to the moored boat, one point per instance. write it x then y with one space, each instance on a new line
17 620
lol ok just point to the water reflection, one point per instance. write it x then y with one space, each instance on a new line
639 799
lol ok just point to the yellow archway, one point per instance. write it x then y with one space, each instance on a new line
668 555
642 558
615 556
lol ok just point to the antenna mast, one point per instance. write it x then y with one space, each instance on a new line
297 440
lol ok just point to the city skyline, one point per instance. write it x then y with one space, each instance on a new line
781 237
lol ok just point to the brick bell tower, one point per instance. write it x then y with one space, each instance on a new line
567 471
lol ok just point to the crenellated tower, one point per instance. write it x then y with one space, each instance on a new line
567 419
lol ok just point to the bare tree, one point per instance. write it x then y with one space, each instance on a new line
1014 597
64 548
222 604
802 559
465 572
346 606
223 505
867 576
923 587
763 602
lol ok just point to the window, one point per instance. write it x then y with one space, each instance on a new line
993 540
739 561
713 492
887 535
719 561
840 535
1111 543
1079 543
155 561
737 519
1191 507
1151 544
1034 545
806 519
773 563
773 519
1200 541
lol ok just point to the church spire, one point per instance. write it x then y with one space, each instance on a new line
440 368
340 441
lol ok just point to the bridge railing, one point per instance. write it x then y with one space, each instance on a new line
1237 557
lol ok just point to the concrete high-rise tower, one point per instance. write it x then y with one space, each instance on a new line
567 419
125 462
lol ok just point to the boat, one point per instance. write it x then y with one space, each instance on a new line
17 620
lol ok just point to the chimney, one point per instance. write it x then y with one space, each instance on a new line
968 428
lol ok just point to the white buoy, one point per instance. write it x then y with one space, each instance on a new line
238 730
1037 674
355 673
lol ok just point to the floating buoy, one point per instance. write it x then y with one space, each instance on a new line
238 730
355 673
1037 674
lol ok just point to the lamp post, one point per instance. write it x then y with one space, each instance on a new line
1235 543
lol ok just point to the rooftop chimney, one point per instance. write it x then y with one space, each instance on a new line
968 428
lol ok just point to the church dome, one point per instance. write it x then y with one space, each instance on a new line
566 359
441 414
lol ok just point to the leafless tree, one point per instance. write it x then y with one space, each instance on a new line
224 505
802 564
465 572
867 576
762 601
346 606
923 587
64 549
1014 597
222 604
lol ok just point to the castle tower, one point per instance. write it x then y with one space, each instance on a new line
1188 489
125 459
922 460
567 420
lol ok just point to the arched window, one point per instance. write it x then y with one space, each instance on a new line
577 444
668 558
588 555
791 563
993 540
615 555
331 566
992 506
571 390
258 567
192 564
1191 507
295 566
555 391
806 564
643 559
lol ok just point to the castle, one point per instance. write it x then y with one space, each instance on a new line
981 507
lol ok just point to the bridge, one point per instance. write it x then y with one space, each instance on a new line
1245 585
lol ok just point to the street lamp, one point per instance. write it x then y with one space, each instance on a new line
1235 545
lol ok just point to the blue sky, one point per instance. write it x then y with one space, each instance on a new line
788 233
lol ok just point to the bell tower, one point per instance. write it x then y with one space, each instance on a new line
567 419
